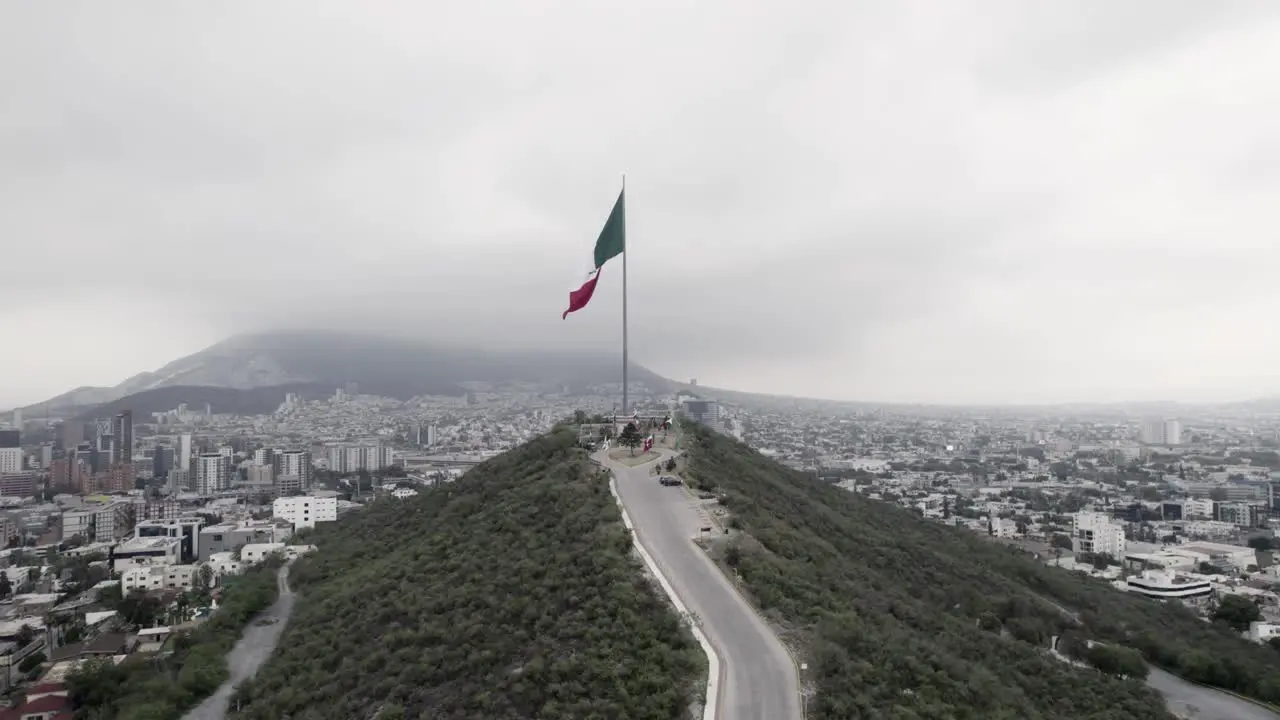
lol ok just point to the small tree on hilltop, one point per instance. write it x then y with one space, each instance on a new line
630 437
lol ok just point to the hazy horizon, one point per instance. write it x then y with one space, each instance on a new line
982 203
710 385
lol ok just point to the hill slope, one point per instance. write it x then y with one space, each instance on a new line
393 367
882 602
511 593
258 401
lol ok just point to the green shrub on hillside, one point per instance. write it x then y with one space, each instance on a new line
904 618
512 593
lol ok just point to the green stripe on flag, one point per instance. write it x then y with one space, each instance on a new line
613 238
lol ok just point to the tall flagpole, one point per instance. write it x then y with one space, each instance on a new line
625 252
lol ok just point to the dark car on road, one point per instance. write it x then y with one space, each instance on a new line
669 480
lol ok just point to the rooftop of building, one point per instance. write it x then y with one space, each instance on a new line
139 544
1164 578
165 522
1212 548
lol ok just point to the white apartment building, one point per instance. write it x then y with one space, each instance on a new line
147 551
1098 533
257 552
213 473
1161 432
1261 631
185 529
223 563
10 460
1192 507
1002 527
1164 585
158 577
305 511
98 523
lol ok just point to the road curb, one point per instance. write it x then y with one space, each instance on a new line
710 707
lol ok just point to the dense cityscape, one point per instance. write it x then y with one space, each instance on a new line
119 529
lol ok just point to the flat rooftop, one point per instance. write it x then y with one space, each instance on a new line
140 544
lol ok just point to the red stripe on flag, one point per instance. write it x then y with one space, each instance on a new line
579 298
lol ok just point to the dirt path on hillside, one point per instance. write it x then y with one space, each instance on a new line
250 652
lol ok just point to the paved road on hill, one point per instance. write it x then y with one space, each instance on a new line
252 650
1186 699
758 677
1183 697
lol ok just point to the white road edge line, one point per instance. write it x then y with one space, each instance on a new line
709 706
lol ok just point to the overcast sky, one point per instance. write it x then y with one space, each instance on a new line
992 201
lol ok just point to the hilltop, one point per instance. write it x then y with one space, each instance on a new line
512 593
899 617
393 367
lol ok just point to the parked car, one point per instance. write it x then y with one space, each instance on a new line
668 480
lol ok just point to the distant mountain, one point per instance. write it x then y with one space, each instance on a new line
377 365
85 396
254 401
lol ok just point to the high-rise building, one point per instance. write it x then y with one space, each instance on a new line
183 459
10 460
295 463
69 474
162 461
1161 432
1244 515
261 478
287 485
18 485
179 480
1097 533
263 457
70 434
354 458
122 430
104 442
706 412
213 473
10 439
119 478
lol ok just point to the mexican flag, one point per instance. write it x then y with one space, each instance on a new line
611 243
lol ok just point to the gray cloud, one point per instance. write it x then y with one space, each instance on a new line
905 201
